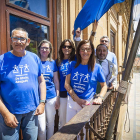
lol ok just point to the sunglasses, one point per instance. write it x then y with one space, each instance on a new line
104 41
69 47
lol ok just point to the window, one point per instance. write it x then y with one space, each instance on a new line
39 27
38 17
112 41
36 6
37 31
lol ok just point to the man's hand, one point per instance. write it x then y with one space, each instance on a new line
40 109
10 120
77 32
57 103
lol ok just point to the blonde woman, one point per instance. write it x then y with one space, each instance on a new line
50 73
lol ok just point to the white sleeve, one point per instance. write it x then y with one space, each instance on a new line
77 38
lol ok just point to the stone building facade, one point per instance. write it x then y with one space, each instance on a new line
114 24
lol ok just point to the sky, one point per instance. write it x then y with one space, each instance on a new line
136 13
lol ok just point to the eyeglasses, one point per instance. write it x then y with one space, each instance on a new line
44 48
22 39
104 41
87 49
69 47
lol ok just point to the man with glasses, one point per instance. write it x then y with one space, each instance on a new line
103 40
111 56
20 80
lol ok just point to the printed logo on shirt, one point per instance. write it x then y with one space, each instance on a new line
81 81
64 68
21 72
46 75
47 68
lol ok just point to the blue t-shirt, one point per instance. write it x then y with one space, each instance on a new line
63 68
83 81
49 67
19 82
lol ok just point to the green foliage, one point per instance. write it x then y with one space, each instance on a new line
32 47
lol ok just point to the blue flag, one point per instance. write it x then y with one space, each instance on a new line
93 10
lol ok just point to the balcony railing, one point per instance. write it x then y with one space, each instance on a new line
92 119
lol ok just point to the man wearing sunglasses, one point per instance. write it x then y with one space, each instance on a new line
20 80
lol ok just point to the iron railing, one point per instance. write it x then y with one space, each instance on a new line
90 123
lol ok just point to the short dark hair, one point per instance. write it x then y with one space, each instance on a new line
91 61
101 45
20 29
61 55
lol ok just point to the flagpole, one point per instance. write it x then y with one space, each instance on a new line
125 77
128 35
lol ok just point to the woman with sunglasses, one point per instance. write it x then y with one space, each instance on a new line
66 54
82 78
50 73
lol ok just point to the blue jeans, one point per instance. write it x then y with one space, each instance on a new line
28 123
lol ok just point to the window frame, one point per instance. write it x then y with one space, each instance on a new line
30 12
112 42
31 17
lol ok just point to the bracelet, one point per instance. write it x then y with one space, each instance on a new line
93 33
43 101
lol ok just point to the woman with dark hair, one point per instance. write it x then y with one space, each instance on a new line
82 78
65 56
50 73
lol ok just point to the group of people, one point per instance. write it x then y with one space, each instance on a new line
32 87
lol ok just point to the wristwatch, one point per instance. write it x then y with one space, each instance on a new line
43 101
93 33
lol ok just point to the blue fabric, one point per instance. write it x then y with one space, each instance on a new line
63 68
83 82
93 10
28 123
19 82
49 67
